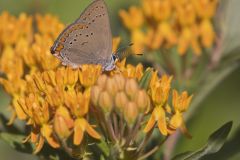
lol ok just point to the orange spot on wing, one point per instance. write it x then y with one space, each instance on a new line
63 39
59 47
66 34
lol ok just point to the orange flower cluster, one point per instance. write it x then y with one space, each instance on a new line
56 103
159 92
61 104
166 23
24 51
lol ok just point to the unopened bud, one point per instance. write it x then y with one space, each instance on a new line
131 88
101 82
111 86
121 100
120 82
142 100
95 92
105 101
131 112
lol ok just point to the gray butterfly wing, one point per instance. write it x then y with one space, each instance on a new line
88 40
87 15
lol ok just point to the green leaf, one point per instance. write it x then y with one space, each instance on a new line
218 138
15 141
145 80
214 144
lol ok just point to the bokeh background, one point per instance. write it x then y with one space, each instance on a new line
222 103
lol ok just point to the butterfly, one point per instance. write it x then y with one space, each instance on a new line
88 40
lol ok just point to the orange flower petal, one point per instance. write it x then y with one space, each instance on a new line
176 121
92 132
151 123
79 128
78 136
46 131
162 125
39 145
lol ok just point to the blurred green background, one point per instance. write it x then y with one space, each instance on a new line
220 106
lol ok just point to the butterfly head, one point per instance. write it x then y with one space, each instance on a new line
115 57
111 64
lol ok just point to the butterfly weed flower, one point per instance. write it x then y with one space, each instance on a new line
129 70
89 74
170 23
128 21
9 34
77 108
49 25
65 104
180 104
24 51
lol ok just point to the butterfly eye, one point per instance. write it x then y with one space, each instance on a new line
114 57
52 50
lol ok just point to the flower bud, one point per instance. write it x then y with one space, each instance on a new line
131 88
131 112
142 100
111 86
121 100
120 81
105 101
101 82
95 92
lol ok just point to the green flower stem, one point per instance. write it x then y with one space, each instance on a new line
105 125
100 119
122 127
109 125
115 123
144 142
134 130
153 150
67 149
